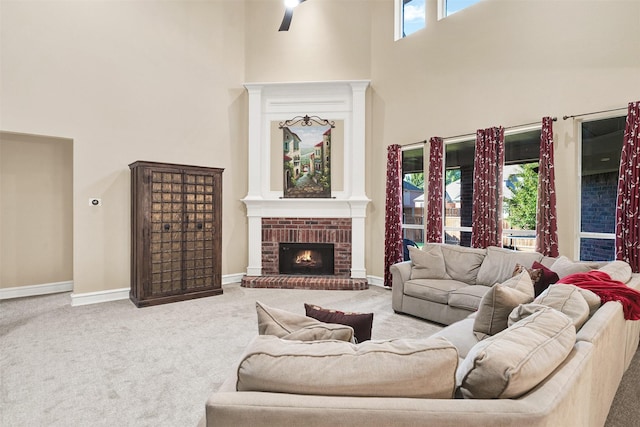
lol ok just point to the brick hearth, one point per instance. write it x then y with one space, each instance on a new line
306 230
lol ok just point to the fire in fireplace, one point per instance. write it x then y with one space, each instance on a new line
306 258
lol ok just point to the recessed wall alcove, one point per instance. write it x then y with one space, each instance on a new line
339 219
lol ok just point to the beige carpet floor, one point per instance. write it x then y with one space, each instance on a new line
113 364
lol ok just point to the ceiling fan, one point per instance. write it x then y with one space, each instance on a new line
288 13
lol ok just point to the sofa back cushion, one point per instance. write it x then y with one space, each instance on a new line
565 298
500 263
563 266
415 368
617 270
512 362
462 263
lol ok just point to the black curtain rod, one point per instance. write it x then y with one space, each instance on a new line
595 112
555 119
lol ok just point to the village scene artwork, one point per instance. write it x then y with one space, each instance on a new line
307 161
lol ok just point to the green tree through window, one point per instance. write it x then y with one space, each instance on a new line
521 207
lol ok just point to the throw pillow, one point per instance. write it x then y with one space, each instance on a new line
541 276
427 263
413 368
292 326
360 322
521 282
516 360
495 307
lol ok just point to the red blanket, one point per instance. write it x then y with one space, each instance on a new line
601 284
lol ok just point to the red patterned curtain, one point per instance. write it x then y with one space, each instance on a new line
486 218
546 219
393 212
435 192
628 204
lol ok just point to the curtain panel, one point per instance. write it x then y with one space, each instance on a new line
393 212
486 218
546 219
628 202
435 192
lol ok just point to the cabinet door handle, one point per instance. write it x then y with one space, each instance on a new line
167 227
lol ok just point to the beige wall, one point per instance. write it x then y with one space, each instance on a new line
500 63
36 210
163 81
129 81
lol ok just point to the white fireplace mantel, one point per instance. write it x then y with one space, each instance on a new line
332 100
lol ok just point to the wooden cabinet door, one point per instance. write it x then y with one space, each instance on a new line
166 235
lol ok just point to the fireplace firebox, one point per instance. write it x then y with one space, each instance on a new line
312 259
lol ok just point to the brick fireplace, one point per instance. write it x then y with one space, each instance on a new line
272 219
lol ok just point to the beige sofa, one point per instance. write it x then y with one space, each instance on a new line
445 283
578 392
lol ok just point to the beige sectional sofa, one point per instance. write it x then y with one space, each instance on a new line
445 283
539 371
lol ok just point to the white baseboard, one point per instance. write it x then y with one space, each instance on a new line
376 281
33 290
123 293
232 278
98 297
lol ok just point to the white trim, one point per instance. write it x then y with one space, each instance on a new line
228 279
398 20
34 290
376 281
99 297
123 293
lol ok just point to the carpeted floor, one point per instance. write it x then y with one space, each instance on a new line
114 364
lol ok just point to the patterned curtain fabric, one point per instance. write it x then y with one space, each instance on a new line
435 192
393 212
628 204
546 219
486 227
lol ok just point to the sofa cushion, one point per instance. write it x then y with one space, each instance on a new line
563 266
360 322
435 290
567 299
292 326
416 368
499 264
509 364
495 307
617 270
462 263
468 297
427 263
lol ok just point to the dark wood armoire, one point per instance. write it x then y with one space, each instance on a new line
176 224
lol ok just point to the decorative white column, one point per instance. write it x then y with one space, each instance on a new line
332 100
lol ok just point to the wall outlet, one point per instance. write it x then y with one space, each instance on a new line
95 202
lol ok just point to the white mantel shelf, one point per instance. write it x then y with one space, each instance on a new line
334 100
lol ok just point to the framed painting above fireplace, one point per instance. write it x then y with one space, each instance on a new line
306 146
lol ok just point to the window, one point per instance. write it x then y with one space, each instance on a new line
413 195
449 7
410 17
600 161
520 183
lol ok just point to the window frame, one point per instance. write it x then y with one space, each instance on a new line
579 234
398 27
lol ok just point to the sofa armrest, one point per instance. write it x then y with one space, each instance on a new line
400 273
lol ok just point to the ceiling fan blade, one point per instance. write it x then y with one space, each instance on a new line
286 21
